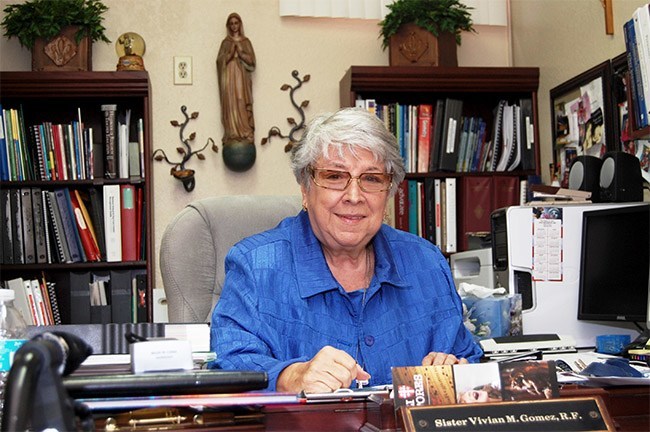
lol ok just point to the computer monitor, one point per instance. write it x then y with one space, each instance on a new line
615 265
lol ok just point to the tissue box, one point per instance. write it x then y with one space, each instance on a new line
493 316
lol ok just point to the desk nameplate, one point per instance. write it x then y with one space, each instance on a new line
579 414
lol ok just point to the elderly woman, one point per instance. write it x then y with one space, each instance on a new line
332 295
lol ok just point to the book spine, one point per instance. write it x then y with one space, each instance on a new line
129 222
21 301
450 190
109 131
4 161
401 206
112 223
425 115
413 206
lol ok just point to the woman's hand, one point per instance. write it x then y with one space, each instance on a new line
438 358
329 370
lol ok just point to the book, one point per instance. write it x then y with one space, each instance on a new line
40 226
109 130
451 245
436 135
112 223
20 299
641 19
42 284
636 86
4 161
437 194
401 206
91 250
425 116
134 159
429 200
39 302
129 222
96 210
413 206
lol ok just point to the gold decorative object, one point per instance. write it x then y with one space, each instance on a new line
130 47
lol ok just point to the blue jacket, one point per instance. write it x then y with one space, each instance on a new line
280 304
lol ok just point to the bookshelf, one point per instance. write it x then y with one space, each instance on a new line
479 88
59 98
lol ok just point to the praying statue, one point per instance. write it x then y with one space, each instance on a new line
235 63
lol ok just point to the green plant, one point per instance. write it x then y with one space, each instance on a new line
45 19
436 16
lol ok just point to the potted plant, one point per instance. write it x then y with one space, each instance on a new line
59 33
425 32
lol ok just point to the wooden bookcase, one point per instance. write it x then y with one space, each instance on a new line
56 97
480 89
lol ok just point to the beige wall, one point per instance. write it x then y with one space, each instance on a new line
562 37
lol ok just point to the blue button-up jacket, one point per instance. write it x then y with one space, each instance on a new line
280 304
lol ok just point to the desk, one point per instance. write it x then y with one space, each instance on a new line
629 408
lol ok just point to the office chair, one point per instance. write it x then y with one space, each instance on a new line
195 243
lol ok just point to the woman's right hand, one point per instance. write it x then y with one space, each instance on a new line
330 369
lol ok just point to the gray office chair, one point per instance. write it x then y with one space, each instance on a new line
195 243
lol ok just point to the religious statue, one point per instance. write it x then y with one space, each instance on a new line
235 63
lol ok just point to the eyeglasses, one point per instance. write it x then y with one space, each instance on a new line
340 180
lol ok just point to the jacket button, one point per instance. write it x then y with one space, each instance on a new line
369 340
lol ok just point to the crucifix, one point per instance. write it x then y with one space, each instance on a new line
609 16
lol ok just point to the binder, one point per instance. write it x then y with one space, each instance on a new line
74 300
527 134
17 226
40 231
58 234
28 225
451 245
70 233
83 228
451 134
120 295
5 220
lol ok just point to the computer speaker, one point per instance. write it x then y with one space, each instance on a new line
620 178
584 175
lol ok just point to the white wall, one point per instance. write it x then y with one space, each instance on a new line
324 48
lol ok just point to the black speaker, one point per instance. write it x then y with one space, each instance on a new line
584 175
620 178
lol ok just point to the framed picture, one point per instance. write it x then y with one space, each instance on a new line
582 119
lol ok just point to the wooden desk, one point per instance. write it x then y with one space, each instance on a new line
629 408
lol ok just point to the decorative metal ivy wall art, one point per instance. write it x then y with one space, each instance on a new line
295 126
178 170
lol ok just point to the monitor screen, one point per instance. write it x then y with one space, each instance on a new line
615 264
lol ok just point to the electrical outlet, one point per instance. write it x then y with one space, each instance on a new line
182 70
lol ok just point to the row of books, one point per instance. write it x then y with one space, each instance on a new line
116 296
69 151
35 300
72 225
636 32
428 209
438 137
454 213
